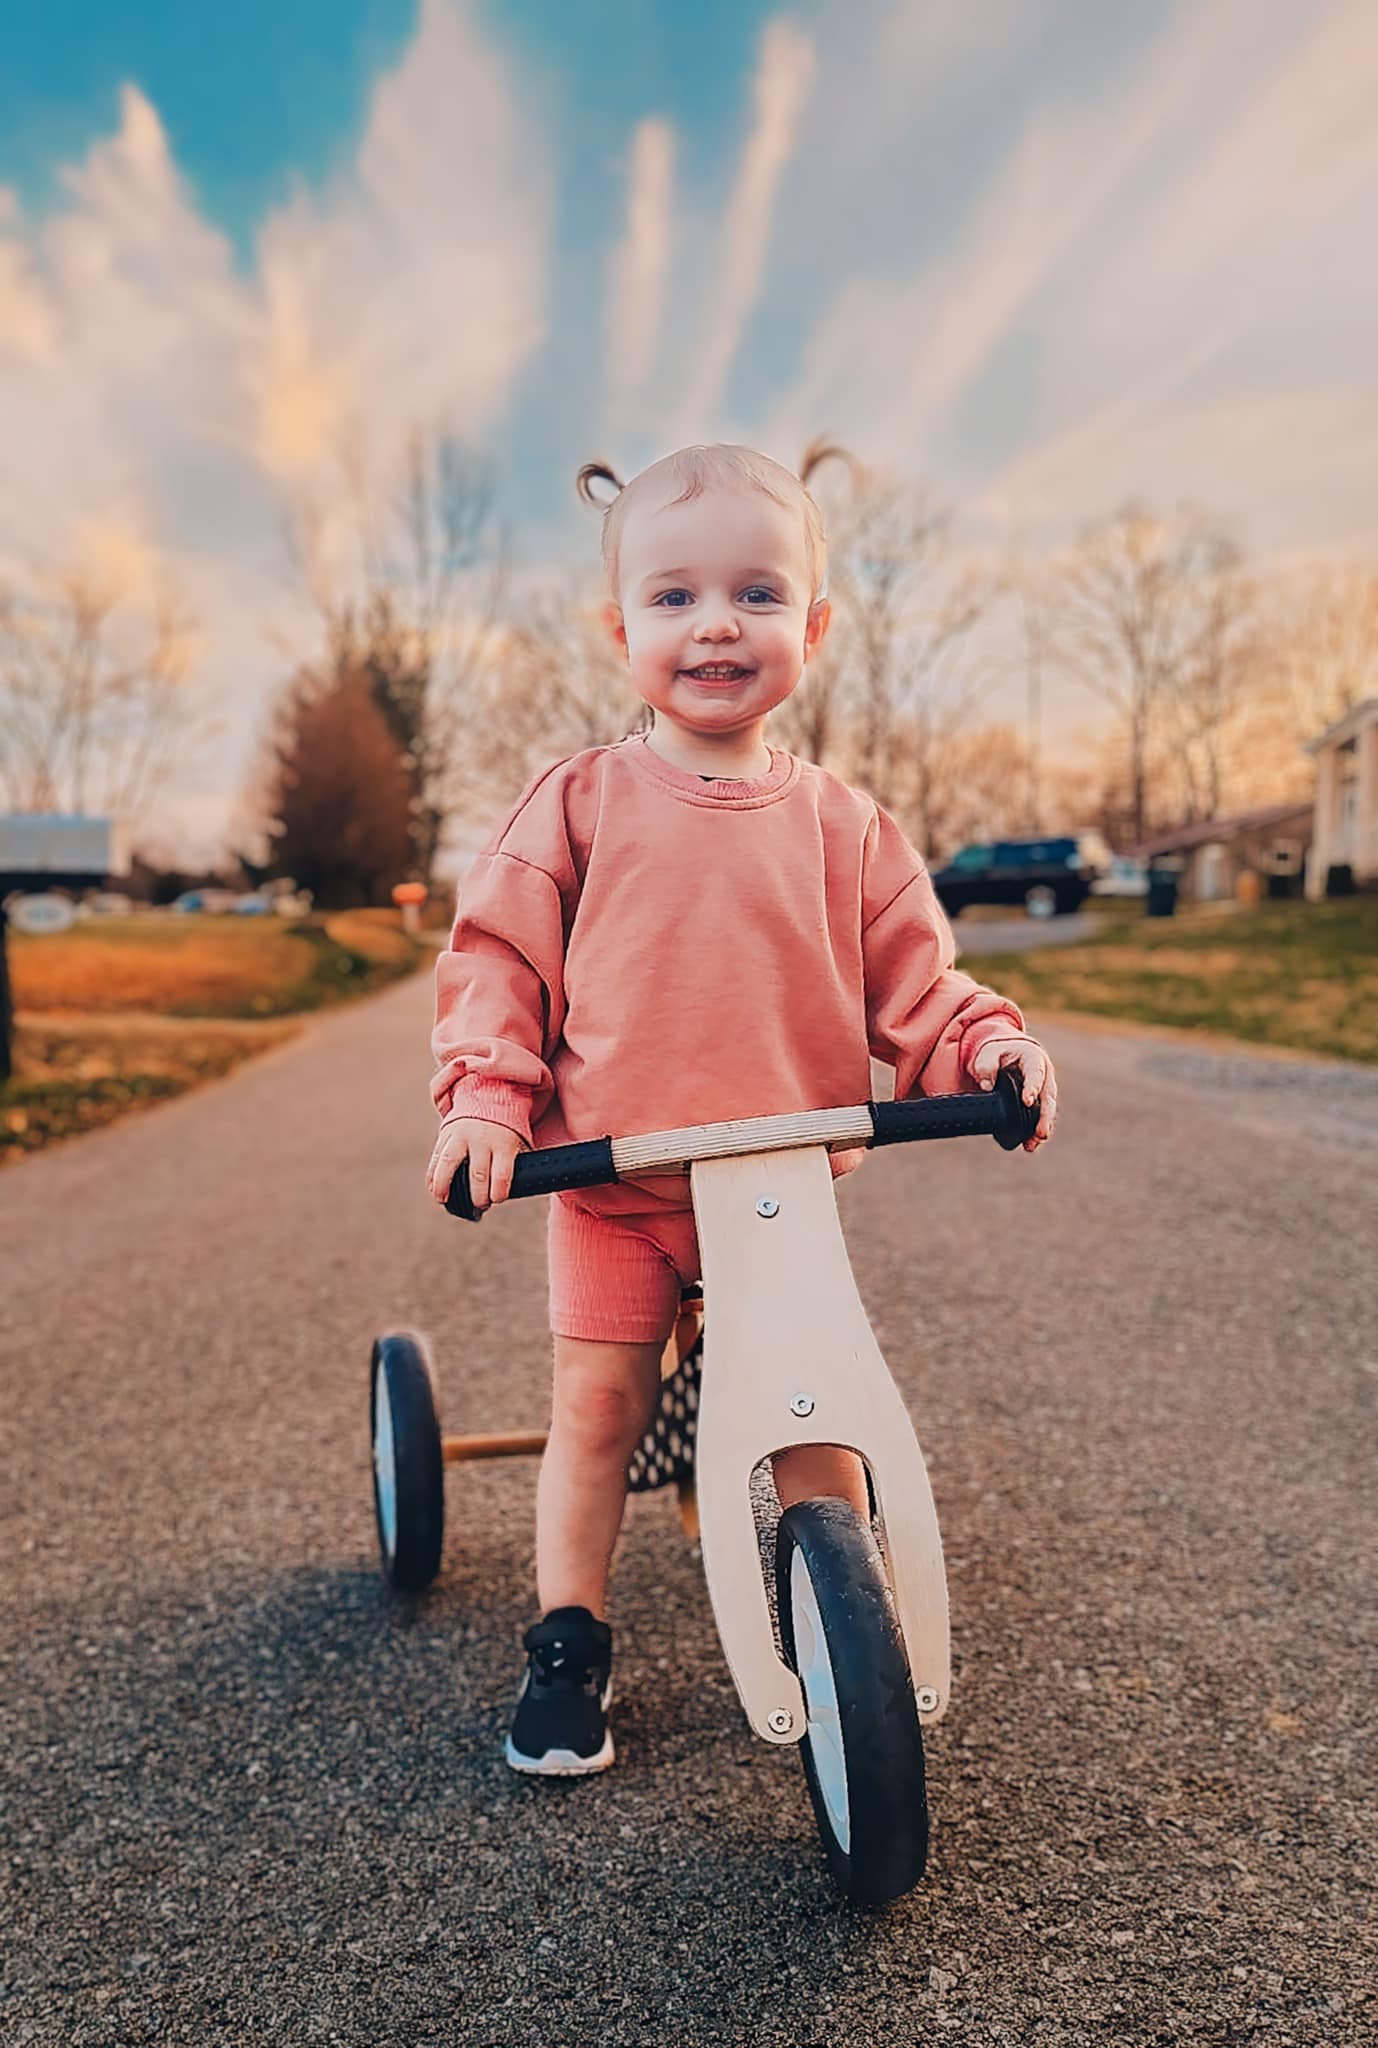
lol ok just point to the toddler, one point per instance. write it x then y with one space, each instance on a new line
685 926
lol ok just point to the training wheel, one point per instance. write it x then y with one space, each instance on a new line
408 1469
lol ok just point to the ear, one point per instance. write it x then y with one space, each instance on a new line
612 619
816 626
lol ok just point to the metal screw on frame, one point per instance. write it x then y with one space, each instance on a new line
801 1404
926 1699
781 1721
767 1206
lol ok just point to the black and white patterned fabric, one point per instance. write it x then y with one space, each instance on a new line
666 1452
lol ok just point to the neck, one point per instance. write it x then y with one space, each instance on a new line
730 756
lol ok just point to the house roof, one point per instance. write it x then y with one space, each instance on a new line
1207 831
1354 720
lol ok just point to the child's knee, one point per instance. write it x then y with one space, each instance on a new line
605 1393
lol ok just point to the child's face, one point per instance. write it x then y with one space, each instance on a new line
720 579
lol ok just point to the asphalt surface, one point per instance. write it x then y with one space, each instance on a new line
1021 934
250 1796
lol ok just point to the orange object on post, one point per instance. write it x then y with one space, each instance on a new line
409 897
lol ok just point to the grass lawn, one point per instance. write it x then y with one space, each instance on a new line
119 1013
1285 974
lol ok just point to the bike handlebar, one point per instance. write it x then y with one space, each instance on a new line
1001 1114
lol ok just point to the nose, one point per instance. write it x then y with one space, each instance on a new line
714 626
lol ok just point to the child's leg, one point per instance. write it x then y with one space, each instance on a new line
604 1400
807 1470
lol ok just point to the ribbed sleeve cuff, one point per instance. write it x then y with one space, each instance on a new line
495 1102
1011 1025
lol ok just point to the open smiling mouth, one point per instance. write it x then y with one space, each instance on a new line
718 672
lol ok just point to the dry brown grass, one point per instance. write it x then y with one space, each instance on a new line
377 934
208 966
180 966
75 1074
1292 974
121 1012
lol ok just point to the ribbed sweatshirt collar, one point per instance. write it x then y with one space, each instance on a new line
691 788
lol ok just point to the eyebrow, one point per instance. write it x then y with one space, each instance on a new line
776 575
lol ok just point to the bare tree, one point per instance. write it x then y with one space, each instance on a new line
1323 642
1135 622
981 793
1208 693
892 687
95 707
557 683
408 572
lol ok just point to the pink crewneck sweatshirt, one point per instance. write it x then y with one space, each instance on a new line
638 947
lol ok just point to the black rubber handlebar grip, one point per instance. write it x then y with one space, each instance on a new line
588 1165
1002 1114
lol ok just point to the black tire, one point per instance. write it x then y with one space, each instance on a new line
878 1848
410 1514
1041 900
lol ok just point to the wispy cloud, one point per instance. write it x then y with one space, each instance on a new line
933 334
416 286
728 295
1176 266
1223 348
149 386
639 269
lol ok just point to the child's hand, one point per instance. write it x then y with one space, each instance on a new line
1036 1071
490 1150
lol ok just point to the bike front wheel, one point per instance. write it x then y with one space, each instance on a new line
863 1746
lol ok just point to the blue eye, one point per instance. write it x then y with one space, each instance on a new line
752 589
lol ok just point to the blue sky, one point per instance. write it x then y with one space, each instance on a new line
1041 254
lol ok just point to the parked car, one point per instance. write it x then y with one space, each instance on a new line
1124 877
205 902
1050 877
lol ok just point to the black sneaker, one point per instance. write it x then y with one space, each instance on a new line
560 1726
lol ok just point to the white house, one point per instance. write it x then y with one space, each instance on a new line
1345 834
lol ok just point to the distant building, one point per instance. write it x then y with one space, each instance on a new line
1345 848
1215 852
51 849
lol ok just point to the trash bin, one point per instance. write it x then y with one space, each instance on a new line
1162 892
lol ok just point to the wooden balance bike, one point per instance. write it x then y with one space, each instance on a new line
859 1660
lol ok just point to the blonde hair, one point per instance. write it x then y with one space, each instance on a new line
698 468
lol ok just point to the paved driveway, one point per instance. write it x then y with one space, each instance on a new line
249 1797
1021 934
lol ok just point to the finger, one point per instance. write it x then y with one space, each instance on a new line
986 1064
994 1054
1047 1117
480 1169
445 1163
1033 1070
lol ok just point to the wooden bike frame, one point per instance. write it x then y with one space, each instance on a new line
789 1358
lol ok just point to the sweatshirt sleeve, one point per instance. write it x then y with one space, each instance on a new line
924 1017
500 1002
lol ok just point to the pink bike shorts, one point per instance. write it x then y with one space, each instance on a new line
617 1280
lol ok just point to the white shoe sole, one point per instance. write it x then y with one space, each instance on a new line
561 1763
565 1763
